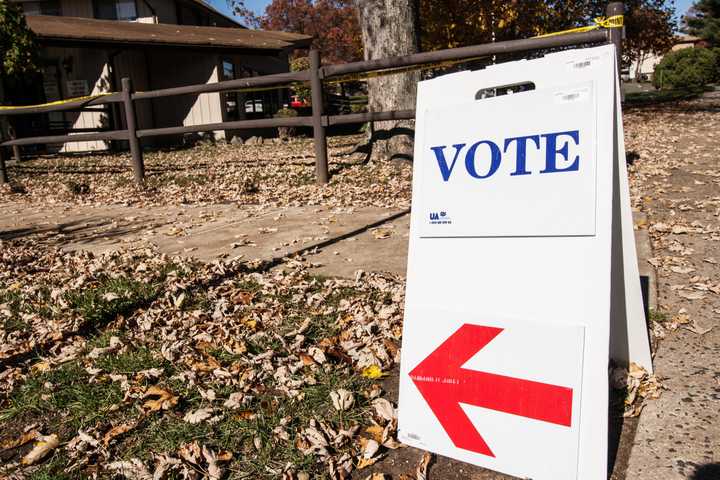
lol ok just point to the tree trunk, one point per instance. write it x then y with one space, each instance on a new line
389 29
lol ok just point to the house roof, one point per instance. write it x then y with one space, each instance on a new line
89 30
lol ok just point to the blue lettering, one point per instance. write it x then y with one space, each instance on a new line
495 158
445 171
521 154
551 152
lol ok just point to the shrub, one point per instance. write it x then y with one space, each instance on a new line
687 68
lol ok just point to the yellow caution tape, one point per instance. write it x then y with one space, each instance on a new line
616 21
86 98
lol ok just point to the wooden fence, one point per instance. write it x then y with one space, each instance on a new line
315 75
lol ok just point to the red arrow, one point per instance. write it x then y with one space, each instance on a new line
444 384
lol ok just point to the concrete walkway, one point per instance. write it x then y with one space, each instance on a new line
678 435
374 240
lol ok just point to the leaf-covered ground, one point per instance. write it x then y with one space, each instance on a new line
143 366
272 174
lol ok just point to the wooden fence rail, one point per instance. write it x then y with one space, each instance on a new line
315 75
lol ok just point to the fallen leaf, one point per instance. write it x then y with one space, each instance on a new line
421 470
342 399
116 431
21 440
213 469
198 415
132 469
165 401
45 445
373 372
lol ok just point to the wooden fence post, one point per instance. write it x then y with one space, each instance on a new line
131 121
3 171
615 35
15 149
321 161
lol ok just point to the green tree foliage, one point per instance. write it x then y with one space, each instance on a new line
703 20
687 68
17 43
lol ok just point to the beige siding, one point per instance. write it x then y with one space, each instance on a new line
87 65
174 69
77 8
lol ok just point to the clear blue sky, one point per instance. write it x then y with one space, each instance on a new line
258 6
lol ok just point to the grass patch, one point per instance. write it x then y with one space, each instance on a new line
64 393
237 433
53 469
13 301
95 309
658 317
132 361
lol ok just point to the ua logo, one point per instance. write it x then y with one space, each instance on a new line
434 216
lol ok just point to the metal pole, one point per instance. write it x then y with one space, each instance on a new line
133 140
321 163
615 35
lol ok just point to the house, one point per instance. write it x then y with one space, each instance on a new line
88 46
644 68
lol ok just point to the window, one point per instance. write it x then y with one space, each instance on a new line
231 98
115 9
48 7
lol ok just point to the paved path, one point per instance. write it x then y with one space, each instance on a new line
678 435
217 231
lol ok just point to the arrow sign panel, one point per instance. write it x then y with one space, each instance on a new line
444 384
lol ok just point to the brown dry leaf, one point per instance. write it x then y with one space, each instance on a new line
381 233
244 415
244 298
40 367
307 360
190 452
165 401
116 431
376 432
20 441
45 445
421 470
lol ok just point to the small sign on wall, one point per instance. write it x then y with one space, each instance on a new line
77 88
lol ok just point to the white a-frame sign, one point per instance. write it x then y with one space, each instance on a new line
522 274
